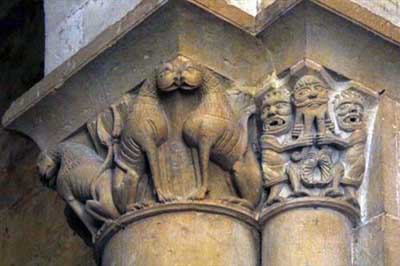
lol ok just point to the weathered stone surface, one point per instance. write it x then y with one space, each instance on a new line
371 192
306 31
390 135
289 48
123 66
392 244
368 247
377 242
34 232
71 25
68 30
335 43
351 51
307 236
187 238
30 232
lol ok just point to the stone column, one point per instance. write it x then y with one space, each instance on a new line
311 231
197 133
311 168
181 234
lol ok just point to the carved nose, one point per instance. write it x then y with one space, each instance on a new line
272 112
178 79
313 95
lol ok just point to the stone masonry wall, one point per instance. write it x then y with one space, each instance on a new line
33 228
71 25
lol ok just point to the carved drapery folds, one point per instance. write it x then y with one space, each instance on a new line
187 139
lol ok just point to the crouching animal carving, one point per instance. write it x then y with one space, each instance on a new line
72 170
220 134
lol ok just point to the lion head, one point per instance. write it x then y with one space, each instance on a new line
179 73
47 168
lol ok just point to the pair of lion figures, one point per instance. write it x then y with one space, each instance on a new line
130 175
100 189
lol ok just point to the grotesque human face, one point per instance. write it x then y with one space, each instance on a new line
276 112
47 169
349 115
310 92
179 73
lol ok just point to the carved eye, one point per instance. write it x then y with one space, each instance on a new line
167 68
303 92
282 105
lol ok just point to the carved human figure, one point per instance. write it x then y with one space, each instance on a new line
214 130
276 116
71 169
310 97
349 109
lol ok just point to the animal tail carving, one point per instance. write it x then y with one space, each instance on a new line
244 107
108 140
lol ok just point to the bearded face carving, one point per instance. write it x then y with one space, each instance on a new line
350 111
276 112
179 73
310 97
310 92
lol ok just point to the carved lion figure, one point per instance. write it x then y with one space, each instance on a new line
71 169
144 131
220 134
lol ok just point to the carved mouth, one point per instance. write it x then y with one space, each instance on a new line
189 87
315 104
48 181
179 85
170 88
275 124
312 103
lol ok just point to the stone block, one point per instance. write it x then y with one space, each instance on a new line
390 138
35 232
368 247
392 243
377 242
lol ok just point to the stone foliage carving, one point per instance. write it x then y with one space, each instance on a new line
302 151
180 136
